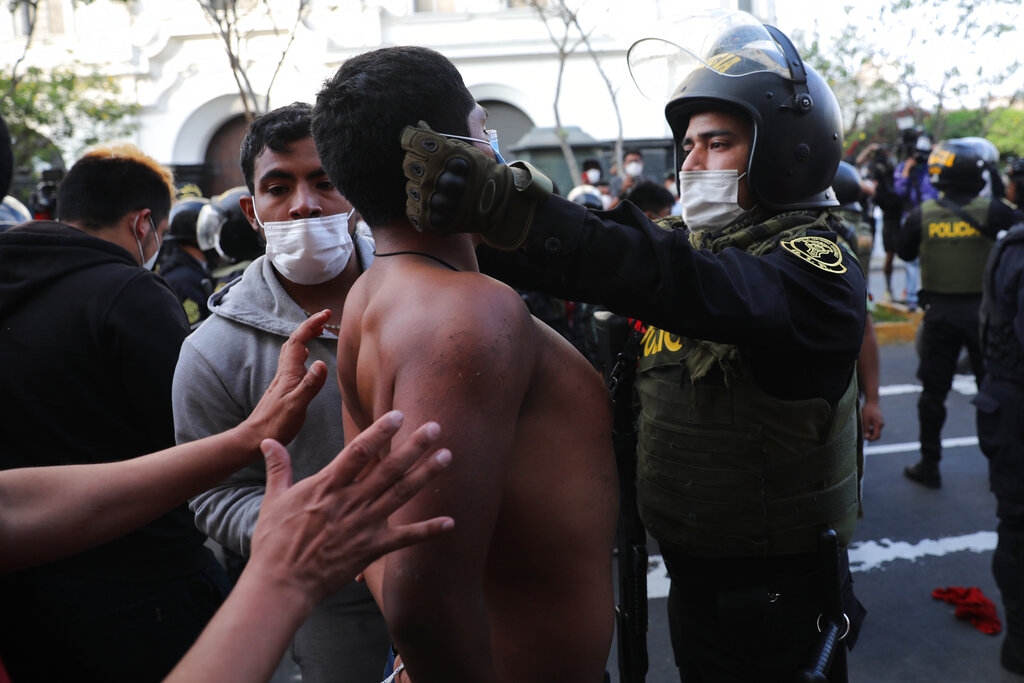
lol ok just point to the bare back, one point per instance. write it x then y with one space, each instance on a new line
522 591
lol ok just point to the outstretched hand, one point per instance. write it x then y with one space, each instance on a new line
317 535
282 408
454 187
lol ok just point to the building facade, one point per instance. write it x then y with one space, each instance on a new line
515 60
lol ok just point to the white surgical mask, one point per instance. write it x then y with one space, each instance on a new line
710 199
309 251
147 263
491 141
592 175
634 168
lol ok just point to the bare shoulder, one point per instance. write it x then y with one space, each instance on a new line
470 311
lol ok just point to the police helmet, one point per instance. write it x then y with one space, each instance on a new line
13 212
586 195
956 164
847 185
989 153
1016 169
738 63
182 220
223 229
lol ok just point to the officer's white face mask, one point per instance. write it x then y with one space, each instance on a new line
309 251
710 199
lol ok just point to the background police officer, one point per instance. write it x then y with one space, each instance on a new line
1000 415
748 429
952 235
182 263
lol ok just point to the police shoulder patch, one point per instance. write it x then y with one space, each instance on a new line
819 252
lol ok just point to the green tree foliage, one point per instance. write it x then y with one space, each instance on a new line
1006 131
923 57
59 111
856 72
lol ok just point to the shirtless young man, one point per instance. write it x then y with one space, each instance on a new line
521 591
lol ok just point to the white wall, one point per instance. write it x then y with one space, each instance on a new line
178 73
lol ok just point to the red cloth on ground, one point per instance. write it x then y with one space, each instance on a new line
971 604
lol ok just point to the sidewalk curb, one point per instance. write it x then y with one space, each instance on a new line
901 332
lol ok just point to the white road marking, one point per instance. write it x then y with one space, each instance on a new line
864 556
868 555
963 384
954 442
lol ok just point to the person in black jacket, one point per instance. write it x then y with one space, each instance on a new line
952 235
1000 419
90 339
748 424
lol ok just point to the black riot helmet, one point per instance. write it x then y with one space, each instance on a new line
224 230
989 154
847 186
956 165
183 219
726 59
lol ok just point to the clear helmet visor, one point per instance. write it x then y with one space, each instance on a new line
728 42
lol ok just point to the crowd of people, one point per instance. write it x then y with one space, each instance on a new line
401 323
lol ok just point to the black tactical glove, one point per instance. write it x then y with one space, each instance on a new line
454 187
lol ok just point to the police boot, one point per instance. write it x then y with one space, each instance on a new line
1011 656
1008 569
926 472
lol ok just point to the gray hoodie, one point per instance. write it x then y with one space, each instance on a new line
224 368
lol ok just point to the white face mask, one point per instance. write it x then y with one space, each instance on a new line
634 168
309 251
147 263
710 198
592 175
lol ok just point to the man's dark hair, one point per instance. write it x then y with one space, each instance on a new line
274 130
111 181
360 113
652 197
591 163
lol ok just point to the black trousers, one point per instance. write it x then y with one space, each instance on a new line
950 325
1000 421
749 619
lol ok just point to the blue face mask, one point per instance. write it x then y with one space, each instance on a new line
491 141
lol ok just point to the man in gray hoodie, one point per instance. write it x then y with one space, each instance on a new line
313 256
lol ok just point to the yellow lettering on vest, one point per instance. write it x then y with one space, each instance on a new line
673 342
651 340
945 230
656 340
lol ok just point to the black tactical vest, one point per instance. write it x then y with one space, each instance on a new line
726 470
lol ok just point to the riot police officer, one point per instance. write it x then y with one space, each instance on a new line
182 263
1000 409
848 186
748 423
952 235
224 234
